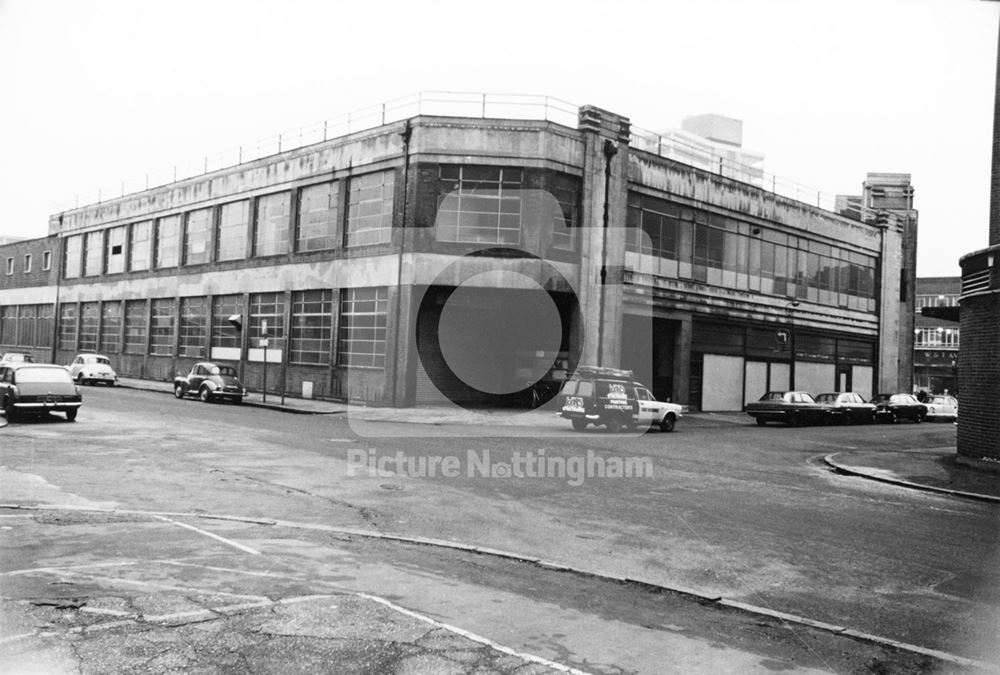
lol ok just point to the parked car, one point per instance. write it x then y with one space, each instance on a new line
209 382
795 408
91 369
847 408
611 398
941 407
38 389
894 407
16 357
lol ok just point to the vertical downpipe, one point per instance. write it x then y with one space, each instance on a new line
406 134
610 150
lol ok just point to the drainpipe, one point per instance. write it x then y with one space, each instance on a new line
406 133
610 150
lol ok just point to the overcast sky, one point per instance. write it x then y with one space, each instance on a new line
94 93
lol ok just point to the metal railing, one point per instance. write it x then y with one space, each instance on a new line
440 103
461 104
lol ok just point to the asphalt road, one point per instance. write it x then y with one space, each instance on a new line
723 509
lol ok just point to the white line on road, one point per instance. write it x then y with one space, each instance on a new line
228 542
473 636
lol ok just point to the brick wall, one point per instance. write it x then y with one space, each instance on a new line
979 373
38 276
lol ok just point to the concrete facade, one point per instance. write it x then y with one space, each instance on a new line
376 265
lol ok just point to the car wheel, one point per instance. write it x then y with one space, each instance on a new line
71 415
205 395
79 379
760 421
9 410
579 424
893 419
178 391
614 425
668 422
919 418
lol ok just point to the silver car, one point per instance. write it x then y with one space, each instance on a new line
91 369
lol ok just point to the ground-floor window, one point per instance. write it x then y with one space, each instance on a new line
111 327
312 323
67 327
194 327
135 326
89 320
161 327
363 314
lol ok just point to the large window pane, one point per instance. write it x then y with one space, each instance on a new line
312 323
45 325
168 233
194 327
8 325
566 190
140 246
135 326
114 250
271 232
111 327
26 324
369 208
72 256
362 334
197 236
161 327
67 327
93 245
224 334
317 225
267 319
231 242
479 204
89 319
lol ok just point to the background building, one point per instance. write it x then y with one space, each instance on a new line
444 258
936 341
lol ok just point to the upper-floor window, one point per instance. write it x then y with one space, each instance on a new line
566 191
168 236
92 249
46 261
197 236
231 236
114 250
937 337
72 252
369 208
271 231
140 246
27 263
10 265
939 300
317 217
479 204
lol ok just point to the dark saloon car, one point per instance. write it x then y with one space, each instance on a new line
848 408
210 382
894 407
795 408
38 389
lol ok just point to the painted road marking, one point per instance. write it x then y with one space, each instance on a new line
473 636
227 542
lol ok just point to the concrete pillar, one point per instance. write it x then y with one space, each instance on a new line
602 253
892 194
682 361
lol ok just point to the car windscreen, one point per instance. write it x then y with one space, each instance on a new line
224 370
49 375
98 359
